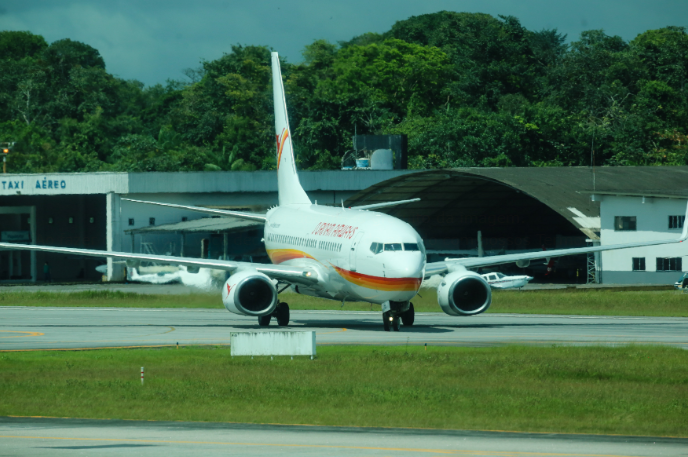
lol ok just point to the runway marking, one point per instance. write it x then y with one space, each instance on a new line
20 336
172 329
327 333
323 446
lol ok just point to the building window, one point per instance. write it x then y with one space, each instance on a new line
151 221
676 222
638 263
131 221
669 264
624 223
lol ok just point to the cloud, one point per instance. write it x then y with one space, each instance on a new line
155 40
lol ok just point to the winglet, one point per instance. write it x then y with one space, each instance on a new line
684 234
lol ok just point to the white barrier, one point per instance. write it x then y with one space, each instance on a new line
273 343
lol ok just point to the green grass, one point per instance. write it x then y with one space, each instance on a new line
612 302
109 298
606 302
635 390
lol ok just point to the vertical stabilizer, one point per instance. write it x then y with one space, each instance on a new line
288 186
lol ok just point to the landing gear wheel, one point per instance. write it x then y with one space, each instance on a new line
386 322
409 316
264 321
396 323
282 314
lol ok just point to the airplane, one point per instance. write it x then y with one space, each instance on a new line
502 281
343 254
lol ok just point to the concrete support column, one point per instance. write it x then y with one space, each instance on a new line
115 271
33 223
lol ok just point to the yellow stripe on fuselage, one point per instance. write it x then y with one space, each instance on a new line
278 256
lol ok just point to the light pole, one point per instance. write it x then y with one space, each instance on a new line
6 147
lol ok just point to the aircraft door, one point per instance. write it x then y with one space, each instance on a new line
353 251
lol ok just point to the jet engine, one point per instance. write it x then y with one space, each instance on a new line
464 293
523 263
250 293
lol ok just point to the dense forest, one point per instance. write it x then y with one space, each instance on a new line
467 89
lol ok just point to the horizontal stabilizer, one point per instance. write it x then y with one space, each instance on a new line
216 212
385 204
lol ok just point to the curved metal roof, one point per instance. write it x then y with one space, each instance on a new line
450 197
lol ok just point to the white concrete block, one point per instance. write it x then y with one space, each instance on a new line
272 343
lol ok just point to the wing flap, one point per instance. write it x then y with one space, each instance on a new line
476 262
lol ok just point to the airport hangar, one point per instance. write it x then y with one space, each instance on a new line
510 209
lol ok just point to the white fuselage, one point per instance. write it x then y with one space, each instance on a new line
339 243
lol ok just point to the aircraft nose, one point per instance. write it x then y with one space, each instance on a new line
411 266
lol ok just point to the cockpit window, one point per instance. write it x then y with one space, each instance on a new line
376 248
411 247
392 247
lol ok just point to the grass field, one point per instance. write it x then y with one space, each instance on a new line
640 390
561 301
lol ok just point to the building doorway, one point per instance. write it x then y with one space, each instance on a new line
16 226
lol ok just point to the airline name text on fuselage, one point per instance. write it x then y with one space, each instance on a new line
334 230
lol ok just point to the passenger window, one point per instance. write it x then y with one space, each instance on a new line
392 247
411 247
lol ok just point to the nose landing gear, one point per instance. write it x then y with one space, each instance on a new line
281 313
390 321
395 314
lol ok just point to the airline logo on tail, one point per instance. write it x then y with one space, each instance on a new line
280 145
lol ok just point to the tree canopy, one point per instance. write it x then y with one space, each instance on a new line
468 89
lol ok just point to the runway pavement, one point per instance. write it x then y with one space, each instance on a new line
55 437
26 328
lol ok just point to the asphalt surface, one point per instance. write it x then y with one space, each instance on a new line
26 328
55 437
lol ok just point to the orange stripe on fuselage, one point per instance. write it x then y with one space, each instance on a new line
379 283
282 255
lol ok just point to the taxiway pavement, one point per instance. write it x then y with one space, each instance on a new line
27 328
54 437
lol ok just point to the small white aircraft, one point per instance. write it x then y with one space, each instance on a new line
501 281
344 254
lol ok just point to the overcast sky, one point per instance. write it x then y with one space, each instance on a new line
153 40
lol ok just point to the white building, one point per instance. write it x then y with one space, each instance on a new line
635 217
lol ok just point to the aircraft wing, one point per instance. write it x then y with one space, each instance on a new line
289 274
438 268
200 209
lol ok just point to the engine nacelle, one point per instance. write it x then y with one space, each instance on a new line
464 293
523 263
250 293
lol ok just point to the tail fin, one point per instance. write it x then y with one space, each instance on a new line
289 188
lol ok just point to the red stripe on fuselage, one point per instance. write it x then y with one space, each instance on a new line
378 282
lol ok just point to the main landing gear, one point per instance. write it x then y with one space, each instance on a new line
393 318
281 313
